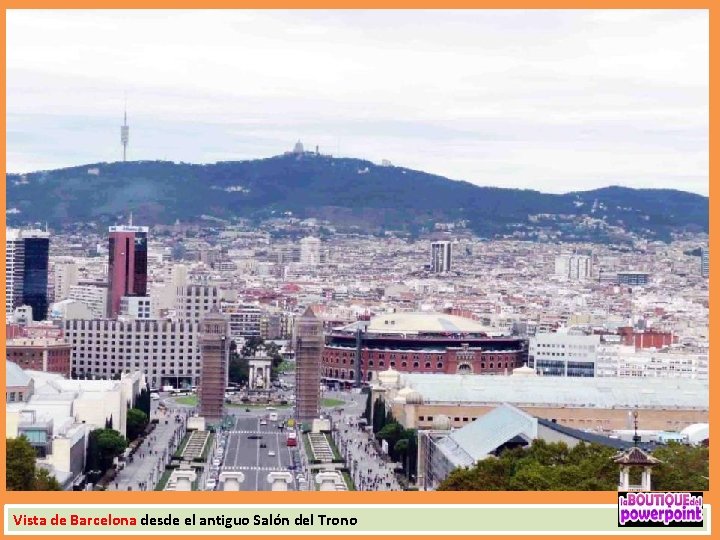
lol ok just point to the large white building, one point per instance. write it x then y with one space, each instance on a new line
14 257
64 276
310 251
165 351
441 257
563 354
136 307
194 301
93 296
56 414
573 267
245 321
705 262
615 360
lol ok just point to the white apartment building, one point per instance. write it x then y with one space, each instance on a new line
573 267
245 321
310 251
562 354
615 360
14 260
194 301
136 307
441 257
94 297
64 276
165 351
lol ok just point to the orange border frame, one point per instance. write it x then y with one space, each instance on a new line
316 497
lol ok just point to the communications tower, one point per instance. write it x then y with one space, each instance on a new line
125 134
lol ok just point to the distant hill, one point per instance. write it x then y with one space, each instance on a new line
346 192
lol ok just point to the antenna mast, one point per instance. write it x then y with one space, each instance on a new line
125 132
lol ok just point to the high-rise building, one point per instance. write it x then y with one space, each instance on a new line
14 258
441 256
194 301
94 296
245 321
127 271
214 341
573 266
705 262
165 351
65 275
308 354
310 251
26 278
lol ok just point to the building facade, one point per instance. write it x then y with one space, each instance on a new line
573 266
415 342
564 355
127 270
95 297
441 257
308 354
214 340
165 351
26 278
193 302
40 354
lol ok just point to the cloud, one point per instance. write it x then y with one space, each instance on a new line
570 99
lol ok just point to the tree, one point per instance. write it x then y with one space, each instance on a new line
19 464
368 409
238 369
44 481
683 468
400 450
541 467
22 474
137 421
378 419
391 433
142 401
104 445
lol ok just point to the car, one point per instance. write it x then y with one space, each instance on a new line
263 445
271 453
254 436
247 410
216 462
263 422
210 484
291 467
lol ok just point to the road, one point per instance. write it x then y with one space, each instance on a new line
245 454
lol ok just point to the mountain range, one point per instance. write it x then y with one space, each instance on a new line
347 192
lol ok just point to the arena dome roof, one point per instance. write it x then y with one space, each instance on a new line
421 322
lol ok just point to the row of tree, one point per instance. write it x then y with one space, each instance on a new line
402 443
547 466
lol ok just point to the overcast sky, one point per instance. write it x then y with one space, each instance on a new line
550 100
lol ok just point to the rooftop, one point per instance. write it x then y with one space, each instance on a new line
419 322
602 392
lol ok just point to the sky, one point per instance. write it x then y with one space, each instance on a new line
550 100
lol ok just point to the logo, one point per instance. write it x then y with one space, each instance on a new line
655 509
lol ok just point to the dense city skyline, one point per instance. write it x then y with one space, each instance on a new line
572 100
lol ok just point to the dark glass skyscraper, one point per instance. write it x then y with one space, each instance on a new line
35 273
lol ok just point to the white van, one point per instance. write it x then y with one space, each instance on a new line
154 396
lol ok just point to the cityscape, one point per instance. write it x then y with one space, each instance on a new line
308 321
